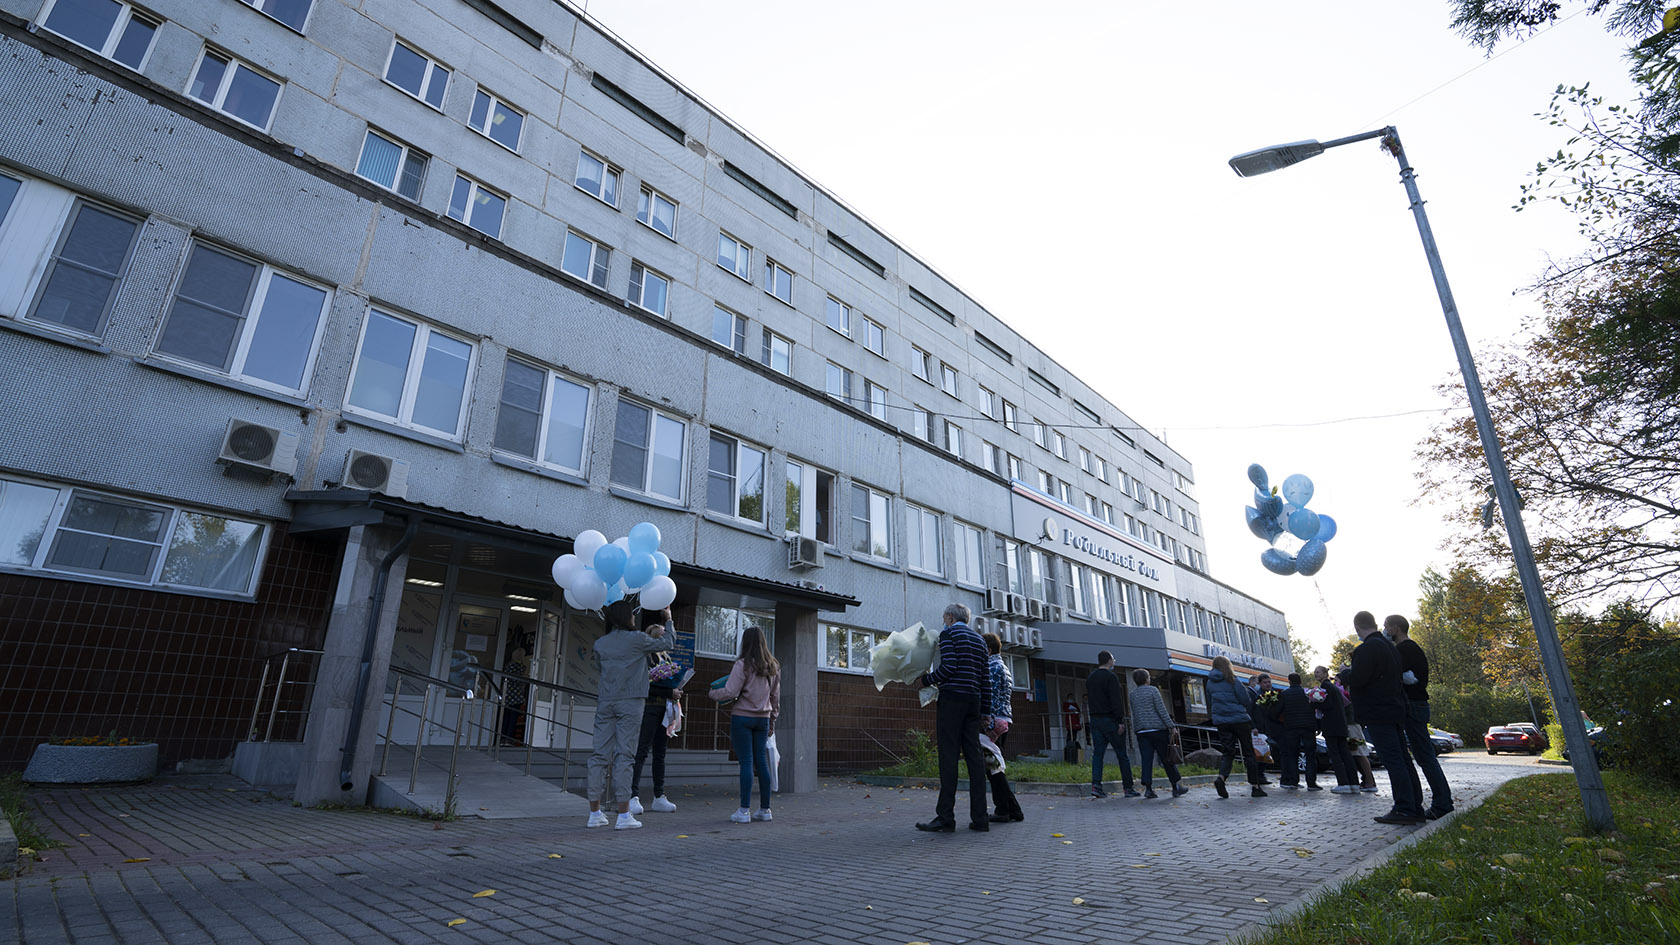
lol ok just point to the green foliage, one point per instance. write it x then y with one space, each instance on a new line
1471 710
14 804
1633 697
1518 870
1554 739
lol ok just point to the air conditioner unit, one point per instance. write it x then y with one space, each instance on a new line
1016 604
997 601
1017 635
253 446
979 625
376 473
804 553
1035 609
1035 640
1053 613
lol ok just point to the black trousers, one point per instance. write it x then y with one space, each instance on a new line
1289 768
1236 738
652 738
1341 759
1003 796
957 732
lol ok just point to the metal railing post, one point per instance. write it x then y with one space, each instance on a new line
279 687
420 739
449 789
385 756
256 707
566 763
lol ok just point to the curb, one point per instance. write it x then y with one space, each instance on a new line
1020 787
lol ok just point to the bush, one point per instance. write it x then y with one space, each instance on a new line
1471 710
1632 695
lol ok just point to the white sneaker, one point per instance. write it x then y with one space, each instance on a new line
597 818
662 805
635 805
742 816
762 813
626 822
1344 789
1369 790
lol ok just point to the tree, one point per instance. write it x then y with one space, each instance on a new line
1449 627
1302 653
1585 401
1341 652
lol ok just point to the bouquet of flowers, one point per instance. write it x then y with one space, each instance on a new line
1315 694
663 672
1268 700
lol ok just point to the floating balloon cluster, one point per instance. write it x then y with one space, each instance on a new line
601 572
1279 515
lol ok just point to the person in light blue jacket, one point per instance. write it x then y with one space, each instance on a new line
1230 707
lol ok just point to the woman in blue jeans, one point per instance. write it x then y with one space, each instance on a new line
755 685
1154 726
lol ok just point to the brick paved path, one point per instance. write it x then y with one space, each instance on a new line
218 862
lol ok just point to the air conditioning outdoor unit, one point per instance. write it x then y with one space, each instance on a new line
979 625
376 473
1017 604
997 601
253 446
1017 635
804 553
1035 640
1053 613
1035 609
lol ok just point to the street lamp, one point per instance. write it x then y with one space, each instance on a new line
1593 798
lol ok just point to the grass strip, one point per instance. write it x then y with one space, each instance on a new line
1521 869
16 809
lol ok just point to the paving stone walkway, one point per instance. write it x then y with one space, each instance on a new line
205 859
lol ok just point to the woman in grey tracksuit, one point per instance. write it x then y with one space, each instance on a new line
622 652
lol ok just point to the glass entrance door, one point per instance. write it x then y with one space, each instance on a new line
477 636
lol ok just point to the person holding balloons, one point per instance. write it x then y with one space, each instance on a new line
622 652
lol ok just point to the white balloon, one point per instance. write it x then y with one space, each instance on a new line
565 569
572 601
589 590
587 543
623 541
658 593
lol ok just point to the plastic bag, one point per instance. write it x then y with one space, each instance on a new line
904 656
673 717
994 755
774 758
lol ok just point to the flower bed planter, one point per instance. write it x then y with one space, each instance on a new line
91 764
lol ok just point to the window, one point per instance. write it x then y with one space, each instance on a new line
234 88
921 364
1059 443
648 451
657 212
290 12
1008 565
393 166
417 74
1191 521
597 178
1074 598
1108 513
476 206
648 289
1183 484
1099 468
76 531
1046 483
1035 573
735 479
924 424
966 565
412 374
247 320
729 329
1100 596
1009 419
846 648
776 353
1084 459
874 337
85 266
496 120
544 416
585 258
839 316
810 502
735 256
1041 433
921 540
948 379
1064 491
988 402
114 30
953 439
871 525
989 457
778 281
877 397
717 630
839 382
1090 505
1014 468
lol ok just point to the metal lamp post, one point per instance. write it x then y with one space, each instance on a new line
1594 800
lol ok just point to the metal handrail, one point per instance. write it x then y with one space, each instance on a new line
274 709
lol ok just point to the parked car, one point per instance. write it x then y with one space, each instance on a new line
1452 739
1534 731
1513 739
1440 742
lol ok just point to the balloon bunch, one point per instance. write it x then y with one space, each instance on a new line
601 572
1276 518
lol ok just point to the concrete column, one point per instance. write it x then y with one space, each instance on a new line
796 729
336 682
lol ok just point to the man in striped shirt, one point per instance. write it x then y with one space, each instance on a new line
965 705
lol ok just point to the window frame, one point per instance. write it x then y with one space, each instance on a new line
919 524
474 189
433 67
869 639
948 379
846 378
951 437
1011 417
639 273
645 206
871 529
960 571
127 13
834 311
737 343
492 100
50 251
219 98
600 259
609 172
651 450
735 476
988 401
767 351
411 377
406 152
742 257
308 10
772 269
874 337
921 364
877 406
545 417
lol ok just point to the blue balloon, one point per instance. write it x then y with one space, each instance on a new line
1297 490
609 563
644 538
614 593
1269 505
1257 475
640 569
1311 557
661 564
1303 524
1326 528
1277 562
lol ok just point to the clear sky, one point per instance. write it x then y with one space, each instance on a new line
1064 163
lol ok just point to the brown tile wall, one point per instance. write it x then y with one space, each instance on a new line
79 658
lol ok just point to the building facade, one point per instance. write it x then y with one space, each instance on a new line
325 325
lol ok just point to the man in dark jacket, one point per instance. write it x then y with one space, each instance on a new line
1333 725
1298 727
1380 703
1414 673
1107 701
965 698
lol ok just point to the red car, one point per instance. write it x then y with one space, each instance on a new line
1511 738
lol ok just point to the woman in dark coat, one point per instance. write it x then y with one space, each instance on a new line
1332 724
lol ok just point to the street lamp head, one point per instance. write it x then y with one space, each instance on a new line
1276 157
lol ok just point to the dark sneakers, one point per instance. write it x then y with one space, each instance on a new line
1219 785
1255 791
1180 790
1401 819
1435 813
937 825
1097 791
1132 793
